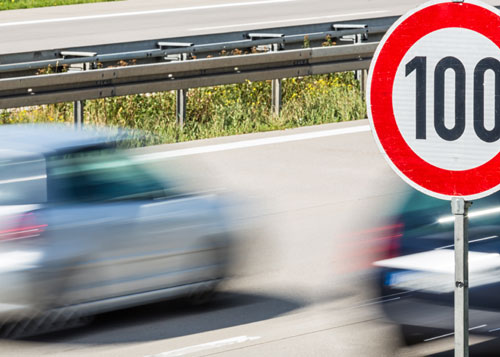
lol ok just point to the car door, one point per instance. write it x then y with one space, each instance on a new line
96 197
178 230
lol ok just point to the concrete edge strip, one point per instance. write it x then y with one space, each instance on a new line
251 143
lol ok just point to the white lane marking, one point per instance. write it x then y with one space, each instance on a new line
206 346
146 12
378 299
452 333
372 303
251 143
471 241
328 17
441 261
484 212
23 179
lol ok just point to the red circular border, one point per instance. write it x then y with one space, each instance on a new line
408 32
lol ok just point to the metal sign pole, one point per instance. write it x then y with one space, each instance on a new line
459 208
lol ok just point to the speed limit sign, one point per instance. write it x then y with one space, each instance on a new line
433 98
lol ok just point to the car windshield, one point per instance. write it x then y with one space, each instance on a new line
99 175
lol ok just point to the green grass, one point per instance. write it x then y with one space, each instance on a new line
26 4
216 111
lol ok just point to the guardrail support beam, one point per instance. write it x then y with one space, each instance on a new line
276 99
78 107
180 99
180 94
362 74
180 106
276 84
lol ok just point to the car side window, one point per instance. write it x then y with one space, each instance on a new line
22 178
100 175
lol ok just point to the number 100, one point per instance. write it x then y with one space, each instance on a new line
419 64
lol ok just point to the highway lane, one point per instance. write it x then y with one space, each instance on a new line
130 20
294 292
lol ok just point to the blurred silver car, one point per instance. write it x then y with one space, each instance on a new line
86 228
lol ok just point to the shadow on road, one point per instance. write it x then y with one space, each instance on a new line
173 319
487 348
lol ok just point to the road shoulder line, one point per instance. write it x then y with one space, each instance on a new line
252 143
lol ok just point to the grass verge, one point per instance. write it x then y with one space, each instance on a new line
216 111
26 4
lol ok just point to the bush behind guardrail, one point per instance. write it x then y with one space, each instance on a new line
215 111
27 4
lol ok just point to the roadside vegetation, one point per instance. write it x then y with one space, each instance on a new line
215 111
26 4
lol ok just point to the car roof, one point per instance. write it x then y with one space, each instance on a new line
48 138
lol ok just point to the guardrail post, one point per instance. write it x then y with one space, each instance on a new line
276 97
180 100
79 105
361 74
276 44
180 94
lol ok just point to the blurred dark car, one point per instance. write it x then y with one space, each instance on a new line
86 228
416 275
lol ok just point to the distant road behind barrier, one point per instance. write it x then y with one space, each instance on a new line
134 20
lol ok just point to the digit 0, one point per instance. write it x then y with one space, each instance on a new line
419 65
459 69
484 134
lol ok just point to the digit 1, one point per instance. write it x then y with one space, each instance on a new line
459 69
419 64
485 64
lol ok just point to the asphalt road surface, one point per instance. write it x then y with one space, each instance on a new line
300 287
131 20
297 288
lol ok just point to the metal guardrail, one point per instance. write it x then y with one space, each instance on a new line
150 51
119 81
186 62
169 48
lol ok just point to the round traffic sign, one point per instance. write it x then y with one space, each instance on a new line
433 98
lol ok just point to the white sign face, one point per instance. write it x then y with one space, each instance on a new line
433 98
469 48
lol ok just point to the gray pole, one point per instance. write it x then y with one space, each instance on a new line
276 96
276 99
180 105
362 81
78 107
460 208
361 74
